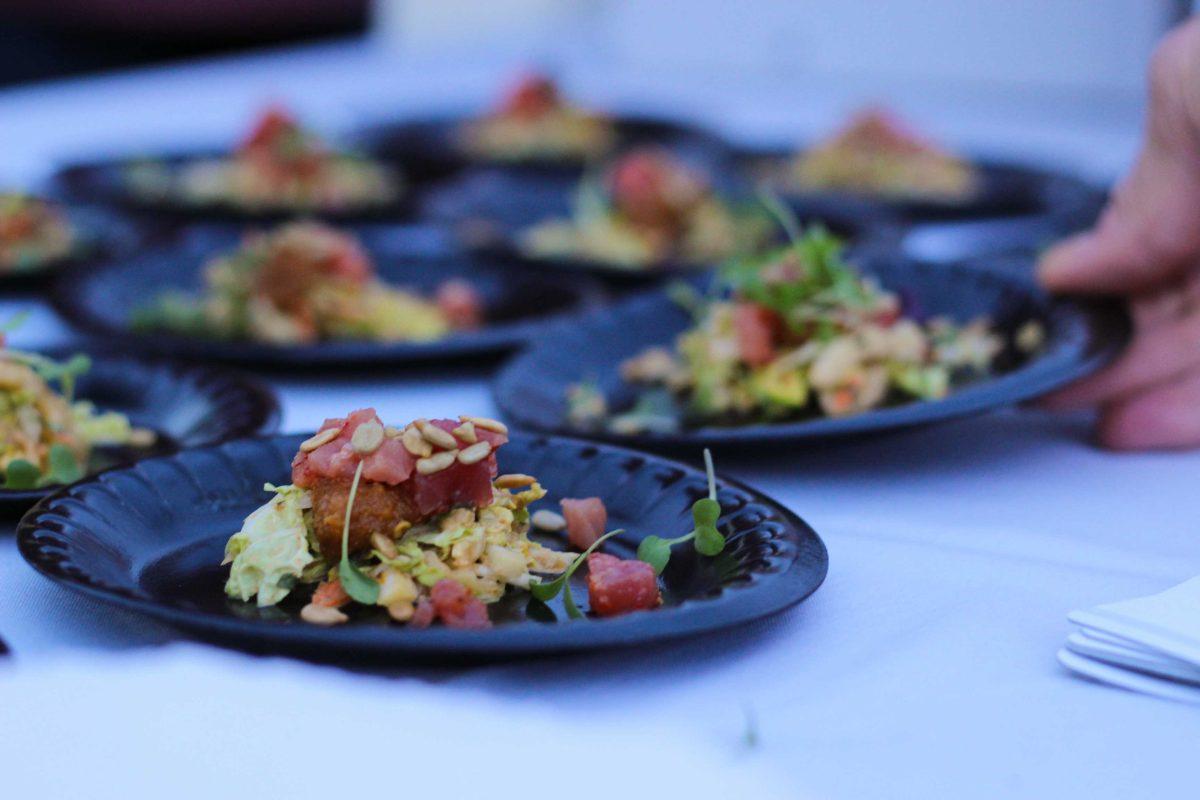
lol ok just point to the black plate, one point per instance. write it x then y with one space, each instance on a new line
531 388
151 538
428 148
187 406
102 301
104 181
1004 189
100 235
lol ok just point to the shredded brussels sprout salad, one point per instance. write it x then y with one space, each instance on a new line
792 332
415 521
46 434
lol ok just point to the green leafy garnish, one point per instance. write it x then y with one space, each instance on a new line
548 590
708 541
21 474
64 468
356 584
62 372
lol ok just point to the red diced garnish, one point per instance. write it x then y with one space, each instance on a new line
424 614
616 586
330 594
586 519
461 304
756 329
533 96
457 607
274 123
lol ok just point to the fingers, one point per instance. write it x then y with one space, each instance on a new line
1149 233
1167 416
1158 353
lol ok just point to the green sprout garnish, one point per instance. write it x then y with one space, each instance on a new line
708 541
548 590
356 584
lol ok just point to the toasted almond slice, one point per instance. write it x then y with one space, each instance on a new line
401 611
466 432
488 424
436 462
547 520
367 437
321 437
415 443
401 527
514 480
322 615
392 432
383 544
436 436
475 453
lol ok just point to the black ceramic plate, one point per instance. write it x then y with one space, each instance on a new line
103 301
151 538
489 210
187 406
99 235
531 389
106 181
1004 189
428 148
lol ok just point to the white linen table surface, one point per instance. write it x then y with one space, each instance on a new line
924 667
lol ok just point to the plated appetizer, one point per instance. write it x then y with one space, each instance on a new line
648 209
876 154
34 233
795 332
417 521
47 436
534 121
305 282
279 167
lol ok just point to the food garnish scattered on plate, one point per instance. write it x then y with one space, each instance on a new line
417 520
794 332
34 233
534 121
280 166
47 436
877 154
649 208
305 282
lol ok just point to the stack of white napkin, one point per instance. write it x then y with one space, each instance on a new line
1148 644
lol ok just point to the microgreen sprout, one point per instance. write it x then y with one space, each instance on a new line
708 541
356 584
548 590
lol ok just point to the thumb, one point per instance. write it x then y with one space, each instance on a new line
1149 231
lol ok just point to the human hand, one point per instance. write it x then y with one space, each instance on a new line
1146 248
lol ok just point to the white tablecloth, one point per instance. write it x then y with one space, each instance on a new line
923 668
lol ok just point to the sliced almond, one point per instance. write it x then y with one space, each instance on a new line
436 436
367 437
401 526
547 520
436 462
384 545
488 424
514 480
475 453
401 611
466 432
322 615
321 437
415 443
392 432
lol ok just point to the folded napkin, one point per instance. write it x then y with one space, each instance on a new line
1148 644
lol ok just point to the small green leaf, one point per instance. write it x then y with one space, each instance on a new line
709 541
64 468
356 584
706 511
547 590
21 474
569 603
14 322
655 551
